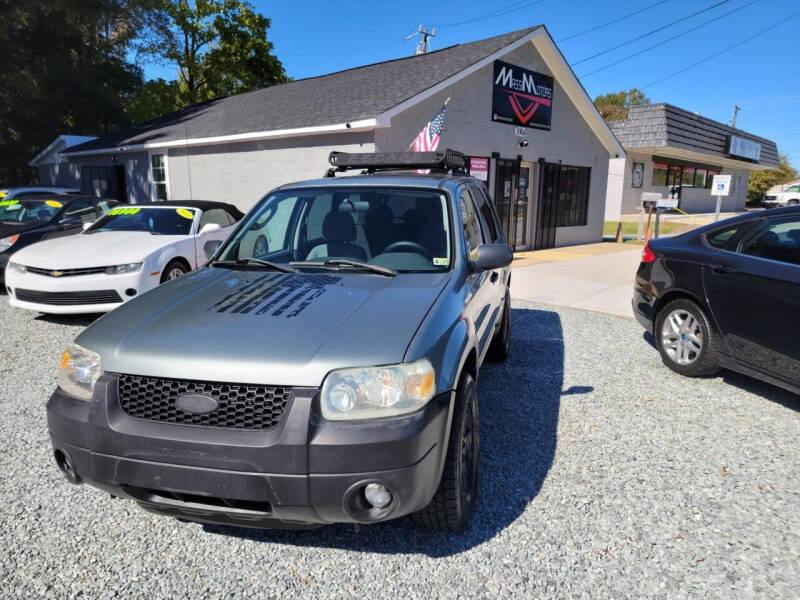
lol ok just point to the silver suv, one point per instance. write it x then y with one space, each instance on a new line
320 369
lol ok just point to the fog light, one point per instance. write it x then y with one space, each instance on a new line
377 495
130 292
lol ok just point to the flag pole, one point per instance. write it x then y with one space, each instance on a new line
412 141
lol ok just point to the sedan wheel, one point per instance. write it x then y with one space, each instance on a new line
686 339
173 270
682 337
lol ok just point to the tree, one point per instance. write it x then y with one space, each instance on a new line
761 181
615 106
219 47
64 70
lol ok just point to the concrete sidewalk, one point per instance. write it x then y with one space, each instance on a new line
597 277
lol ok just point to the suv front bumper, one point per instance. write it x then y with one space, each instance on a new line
304 472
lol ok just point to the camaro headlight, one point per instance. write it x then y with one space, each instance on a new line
126 268
17 267
377 392
79 371
7 242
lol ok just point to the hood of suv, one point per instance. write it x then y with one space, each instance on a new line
250 326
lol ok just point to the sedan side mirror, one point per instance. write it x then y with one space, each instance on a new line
210 228
491 256
210 247
71 220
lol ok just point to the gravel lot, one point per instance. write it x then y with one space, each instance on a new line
602 475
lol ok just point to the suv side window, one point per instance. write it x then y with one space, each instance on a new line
779 241
482 202
470 222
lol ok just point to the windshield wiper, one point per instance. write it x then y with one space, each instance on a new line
339 262
255 261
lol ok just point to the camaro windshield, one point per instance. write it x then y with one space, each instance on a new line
396 228
158 221
28 211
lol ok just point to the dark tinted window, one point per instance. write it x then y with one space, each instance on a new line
486 212
778 241
158 221
721 237
81 208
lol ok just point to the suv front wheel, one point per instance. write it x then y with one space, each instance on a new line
452 505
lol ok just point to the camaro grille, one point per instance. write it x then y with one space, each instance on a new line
234 406
66 272
68 298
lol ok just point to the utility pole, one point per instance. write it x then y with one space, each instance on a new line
422 45
736 110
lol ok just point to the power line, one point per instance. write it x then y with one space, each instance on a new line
649 33
716 54
674 37
505 10
629 15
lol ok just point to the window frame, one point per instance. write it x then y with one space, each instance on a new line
153 182
498 234
470 202
758 230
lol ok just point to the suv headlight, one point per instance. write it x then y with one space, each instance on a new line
121 269
17 267
7 242
377 392
79 371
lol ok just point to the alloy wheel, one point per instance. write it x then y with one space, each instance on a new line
682 337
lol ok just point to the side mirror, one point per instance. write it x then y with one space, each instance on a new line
210 228
210 247
87 225
71 220
491 256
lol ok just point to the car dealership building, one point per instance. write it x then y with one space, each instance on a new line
676 153
515 107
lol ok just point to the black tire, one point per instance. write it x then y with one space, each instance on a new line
704 362
501 342
452 505
173 267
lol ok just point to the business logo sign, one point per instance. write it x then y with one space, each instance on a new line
521 97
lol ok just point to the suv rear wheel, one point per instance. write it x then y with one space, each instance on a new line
452 505
686 341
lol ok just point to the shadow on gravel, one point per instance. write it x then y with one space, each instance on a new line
519 404
82 320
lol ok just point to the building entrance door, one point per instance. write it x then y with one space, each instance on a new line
548 204
511 199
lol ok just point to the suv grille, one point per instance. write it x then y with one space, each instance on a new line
239 406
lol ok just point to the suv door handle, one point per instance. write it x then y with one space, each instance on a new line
494 276
723 270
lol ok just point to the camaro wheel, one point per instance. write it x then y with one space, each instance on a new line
501 343
685 339
173 270
454 501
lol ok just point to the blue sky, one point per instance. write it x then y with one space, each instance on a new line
761 75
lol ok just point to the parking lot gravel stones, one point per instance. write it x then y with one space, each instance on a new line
602 475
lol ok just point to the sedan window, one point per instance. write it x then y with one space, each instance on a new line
721 237
779 241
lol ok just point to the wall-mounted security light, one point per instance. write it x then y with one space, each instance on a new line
523 143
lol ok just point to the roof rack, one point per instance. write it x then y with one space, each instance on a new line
450 161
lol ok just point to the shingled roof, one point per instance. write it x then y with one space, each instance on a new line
663 125
342 97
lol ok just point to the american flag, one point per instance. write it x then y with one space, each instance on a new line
428 138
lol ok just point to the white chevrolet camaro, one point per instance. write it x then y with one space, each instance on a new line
127 251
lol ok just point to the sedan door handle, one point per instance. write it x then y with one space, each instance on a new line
723 270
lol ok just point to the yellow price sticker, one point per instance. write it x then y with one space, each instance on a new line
8 202
54 203
186 214
123 211
3 194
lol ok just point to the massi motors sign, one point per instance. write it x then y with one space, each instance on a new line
521 97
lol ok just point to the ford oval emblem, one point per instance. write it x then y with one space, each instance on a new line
196 403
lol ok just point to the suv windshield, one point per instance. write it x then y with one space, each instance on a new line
158 221
28 211
397 228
